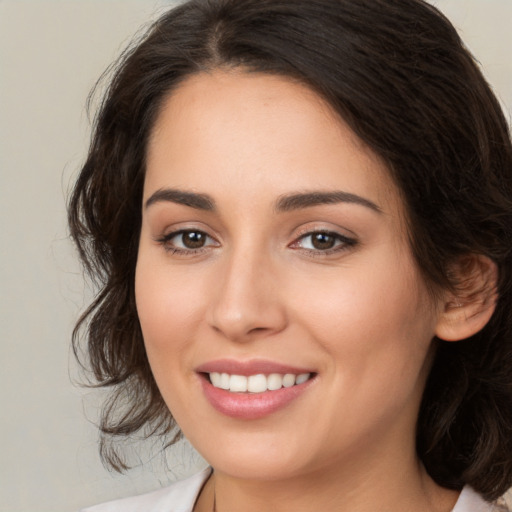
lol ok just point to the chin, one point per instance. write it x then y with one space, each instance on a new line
263 455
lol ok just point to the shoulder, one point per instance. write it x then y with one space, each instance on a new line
178 497
470 501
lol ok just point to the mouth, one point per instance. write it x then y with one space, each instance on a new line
258 383
254 389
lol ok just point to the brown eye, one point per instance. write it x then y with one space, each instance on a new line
187 241
193 239
323 241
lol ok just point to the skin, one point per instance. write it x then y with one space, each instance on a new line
359 316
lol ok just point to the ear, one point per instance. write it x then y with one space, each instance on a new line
467 310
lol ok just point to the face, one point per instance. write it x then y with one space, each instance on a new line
281 308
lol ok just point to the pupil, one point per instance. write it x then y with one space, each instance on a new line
193 240
323 241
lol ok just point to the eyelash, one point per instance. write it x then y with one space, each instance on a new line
342 243
165 241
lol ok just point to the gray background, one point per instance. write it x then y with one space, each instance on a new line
51 53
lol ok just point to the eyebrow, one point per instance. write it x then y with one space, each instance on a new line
285 203
308 199
192 199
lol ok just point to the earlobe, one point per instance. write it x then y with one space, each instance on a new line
467 310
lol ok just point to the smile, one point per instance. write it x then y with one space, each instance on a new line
251 390
258 383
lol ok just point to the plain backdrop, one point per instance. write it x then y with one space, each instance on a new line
51 53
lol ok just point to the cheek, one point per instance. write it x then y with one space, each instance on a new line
168 305
169 309
374 327
375 320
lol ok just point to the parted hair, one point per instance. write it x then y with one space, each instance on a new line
398 74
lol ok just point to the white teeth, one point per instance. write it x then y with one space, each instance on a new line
274 381
215 377
238 383
224 381
256 383
288 380
303 377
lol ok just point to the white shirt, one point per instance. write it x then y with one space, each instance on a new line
181 496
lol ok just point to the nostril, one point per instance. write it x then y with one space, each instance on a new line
258 329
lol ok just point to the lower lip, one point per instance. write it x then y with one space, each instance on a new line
251 406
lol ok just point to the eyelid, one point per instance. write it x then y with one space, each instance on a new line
165 241
343 242
323 227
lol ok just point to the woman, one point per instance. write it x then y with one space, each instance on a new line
300 213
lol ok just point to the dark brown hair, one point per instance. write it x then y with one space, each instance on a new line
398 74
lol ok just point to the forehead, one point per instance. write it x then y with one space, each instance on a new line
241 131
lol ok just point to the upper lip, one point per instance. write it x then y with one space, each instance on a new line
251 367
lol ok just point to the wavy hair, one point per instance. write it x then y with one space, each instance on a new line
397 72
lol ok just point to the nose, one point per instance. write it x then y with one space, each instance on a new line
247 303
